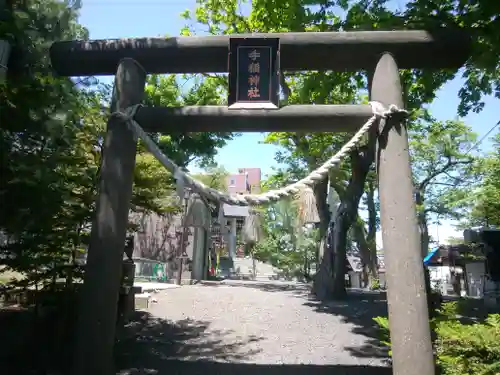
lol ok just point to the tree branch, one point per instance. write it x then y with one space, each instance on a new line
339 189
444 184
457 179
441 170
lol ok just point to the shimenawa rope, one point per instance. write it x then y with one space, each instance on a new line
183 179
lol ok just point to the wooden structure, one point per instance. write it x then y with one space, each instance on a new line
381 53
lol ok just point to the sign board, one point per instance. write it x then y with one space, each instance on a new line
253 73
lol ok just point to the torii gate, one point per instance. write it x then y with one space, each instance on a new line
380 52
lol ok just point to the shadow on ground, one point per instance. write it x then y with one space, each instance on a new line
155 346
297 289
31 344
361 307
358 309
151 338
15 326
150 345
217 368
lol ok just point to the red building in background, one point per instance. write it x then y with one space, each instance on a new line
247 180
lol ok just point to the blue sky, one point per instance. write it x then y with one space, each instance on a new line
146 18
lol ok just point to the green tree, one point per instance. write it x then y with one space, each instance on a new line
41 122
185 148
364 233
287 245
214 176
154 186
486 199
455 240
482 71
51 140
461 348
444 170
319 88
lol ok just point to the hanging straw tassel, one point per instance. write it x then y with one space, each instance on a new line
252 230
308 211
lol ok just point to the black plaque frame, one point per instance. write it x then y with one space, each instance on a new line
270 94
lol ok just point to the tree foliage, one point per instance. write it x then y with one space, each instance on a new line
44 141
480 17
486 199
51 138
214 176
184 148
460 348
444 170
52 128
287 245
302 152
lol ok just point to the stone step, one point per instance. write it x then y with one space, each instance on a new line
259 267
142 301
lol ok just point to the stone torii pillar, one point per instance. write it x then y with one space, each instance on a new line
232 238
406 292
96 323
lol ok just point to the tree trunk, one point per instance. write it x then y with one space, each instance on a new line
306 268
367 253
340 229
422 222
372 229
330 280
322 285
433 297
254 267
321 194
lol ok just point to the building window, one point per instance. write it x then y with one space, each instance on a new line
232 182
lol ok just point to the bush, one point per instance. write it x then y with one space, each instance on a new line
375 285
469 349
461 349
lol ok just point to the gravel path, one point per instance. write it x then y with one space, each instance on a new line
235 328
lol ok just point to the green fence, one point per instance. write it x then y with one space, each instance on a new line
150 270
